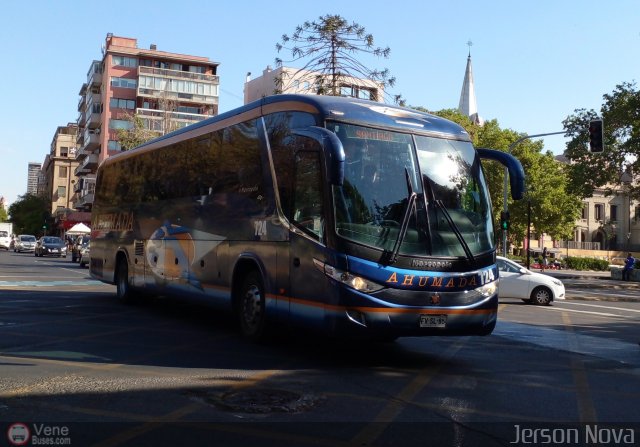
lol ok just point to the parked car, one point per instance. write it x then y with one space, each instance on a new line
78 245
50 246
24 242
519 282
84 254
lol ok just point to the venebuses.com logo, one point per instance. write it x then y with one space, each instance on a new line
18 433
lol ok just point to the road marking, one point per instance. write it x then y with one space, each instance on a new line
601 347
624 309
76 282
586 410
600 314
370 433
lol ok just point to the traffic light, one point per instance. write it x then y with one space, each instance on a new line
504 220
595 136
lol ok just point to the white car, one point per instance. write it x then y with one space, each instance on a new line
5 240
518 282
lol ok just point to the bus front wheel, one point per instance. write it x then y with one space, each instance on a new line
123 288
251 307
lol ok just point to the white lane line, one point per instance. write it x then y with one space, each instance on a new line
601 314
624 309
606 348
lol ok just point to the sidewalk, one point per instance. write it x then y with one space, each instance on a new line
593 279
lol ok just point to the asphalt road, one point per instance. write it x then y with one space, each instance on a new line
81 367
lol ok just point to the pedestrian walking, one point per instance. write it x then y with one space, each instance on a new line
629 264
545 261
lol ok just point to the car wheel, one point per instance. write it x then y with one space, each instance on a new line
123 288
541 296
251 307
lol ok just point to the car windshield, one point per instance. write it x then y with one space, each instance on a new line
52 240
508 266
28 238
450 214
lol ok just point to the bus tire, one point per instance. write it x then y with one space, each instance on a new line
123 288
251 307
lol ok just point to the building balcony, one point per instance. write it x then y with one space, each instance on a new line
156 118
177 74
88 165
176 96
81 103
81 154
84 185
94 75
80 138
84 201
91 140
82 119
93 119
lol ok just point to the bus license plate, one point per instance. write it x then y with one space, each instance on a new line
433 320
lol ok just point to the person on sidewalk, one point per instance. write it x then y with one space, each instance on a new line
629 264
545 261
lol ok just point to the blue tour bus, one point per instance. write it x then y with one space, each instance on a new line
343 216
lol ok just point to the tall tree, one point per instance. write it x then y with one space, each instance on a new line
136 134
620 113
4 217
330 47
29 214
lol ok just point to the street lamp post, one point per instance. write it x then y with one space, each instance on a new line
528 229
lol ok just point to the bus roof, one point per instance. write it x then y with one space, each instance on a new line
340 109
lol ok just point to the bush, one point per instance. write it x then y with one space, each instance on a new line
587 264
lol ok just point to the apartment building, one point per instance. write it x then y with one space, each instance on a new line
167 90
33 177
58 169
294 80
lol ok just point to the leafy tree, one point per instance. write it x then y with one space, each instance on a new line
621 116
331 44
4 217
30 213
136 135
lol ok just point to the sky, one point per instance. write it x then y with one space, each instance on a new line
534 63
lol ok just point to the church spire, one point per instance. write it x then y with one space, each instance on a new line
468 105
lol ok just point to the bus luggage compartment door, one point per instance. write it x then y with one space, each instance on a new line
308 285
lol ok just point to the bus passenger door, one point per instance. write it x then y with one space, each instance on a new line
308 284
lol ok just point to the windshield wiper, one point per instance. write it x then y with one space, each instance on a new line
390 257
455 230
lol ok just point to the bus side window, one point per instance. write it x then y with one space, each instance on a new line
307 195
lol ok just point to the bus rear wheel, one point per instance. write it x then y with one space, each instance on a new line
251 307
123 288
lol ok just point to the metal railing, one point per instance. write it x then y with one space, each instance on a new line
178 74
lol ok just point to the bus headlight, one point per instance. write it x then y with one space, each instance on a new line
355 282
489 289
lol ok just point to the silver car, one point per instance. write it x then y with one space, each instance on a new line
25 242
85 251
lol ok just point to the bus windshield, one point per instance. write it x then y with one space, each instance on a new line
450 214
